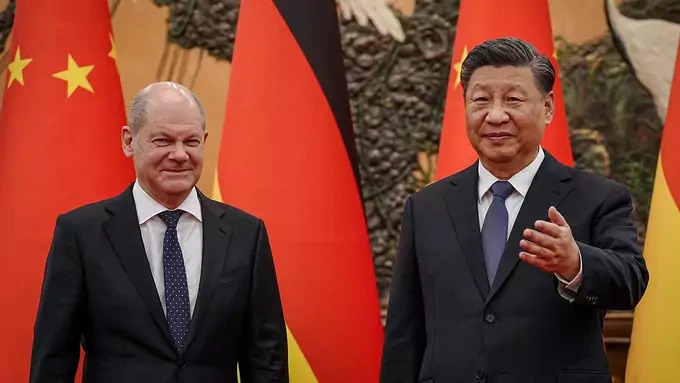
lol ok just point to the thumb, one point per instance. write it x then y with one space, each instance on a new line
556 217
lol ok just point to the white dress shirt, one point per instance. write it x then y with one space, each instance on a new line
189 234
521 183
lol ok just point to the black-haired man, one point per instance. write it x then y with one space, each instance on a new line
463 308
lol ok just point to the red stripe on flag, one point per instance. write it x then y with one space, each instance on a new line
670 155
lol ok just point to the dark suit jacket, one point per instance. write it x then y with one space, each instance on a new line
98 288
446 325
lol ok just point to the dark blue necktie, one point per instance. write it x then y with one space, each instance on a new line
495 228
178 311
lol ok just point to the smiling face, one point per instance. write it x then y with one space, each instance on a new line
168 148
506 115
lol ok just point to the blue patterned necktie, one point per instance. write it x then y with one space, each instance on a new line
495 228
177 307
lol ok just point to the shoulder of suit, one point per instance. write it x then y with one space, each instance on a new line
589 180
443 184
595 181
433 188
88 213
231 212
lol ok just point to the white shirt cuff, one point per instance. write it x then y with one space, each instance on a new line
569 289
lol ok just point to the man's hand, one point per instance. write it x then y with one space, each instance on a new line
551 247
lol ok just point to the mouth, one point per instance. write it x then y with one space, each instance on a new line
175 171
498 136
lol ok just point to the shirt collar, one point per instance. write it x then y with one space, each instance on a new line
147 207
520 181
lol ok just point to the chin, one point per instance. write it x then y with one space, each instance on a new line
499 154
181 186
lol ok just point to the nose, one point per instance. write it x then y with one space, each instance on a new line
497 114
178 153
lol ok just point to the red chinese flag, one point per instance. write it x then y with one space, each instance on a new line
59 148
478 21
287 155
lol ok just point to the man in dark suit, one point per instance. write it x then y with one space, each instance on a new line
161 283
505 270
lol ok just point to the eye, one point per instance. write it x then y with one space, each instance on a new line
514 99
194 143
480 99
161 141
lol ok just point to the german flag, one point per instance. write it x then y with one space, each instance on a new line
655 343
287 154
59 148
528 20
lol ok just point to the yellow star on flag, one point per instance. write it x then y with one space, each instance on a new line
112 52
555 53
75 76
459 65
16 69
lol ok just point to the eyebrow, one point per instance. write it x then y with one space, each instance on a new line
514 86
160 131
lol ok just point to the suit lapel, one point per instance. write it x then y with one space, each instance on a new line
461 205
548 188
123 232
216 236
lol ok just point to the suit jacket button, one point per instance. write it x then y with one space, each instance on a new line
479 374
489 318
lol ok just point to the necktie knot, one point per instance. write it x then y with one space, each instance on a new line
502 189
170 217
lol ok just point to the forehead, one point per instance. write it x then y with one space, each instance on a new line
173 115
504 78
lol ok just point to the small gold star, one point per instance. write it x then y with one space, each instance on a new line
459 65
75 76
16 68
112 52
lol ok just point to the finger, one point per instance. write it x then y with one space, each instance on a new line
537 250
556 217
542 239
533 260
548 228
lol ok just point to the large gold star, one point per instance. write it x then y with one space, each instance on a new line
16 69
75 76
459 65
112 52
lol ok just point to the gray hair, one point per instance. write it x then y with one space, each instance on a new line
509 52
139 114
